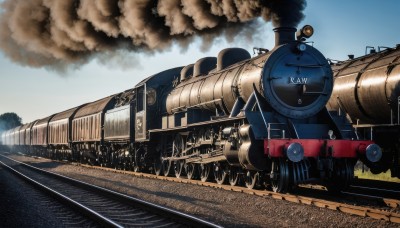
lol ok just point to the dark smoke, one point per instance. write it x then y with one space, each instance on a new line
59 33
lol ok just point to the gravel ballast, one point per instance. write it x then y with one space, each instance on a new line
226 208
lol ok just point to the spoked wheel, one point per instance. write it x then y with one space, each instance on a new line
280 178
166 153
179 168
251 179
81 158
75 154
128 166
158 166
220 172
205 170
234 178
102 159
192 171
113 162
177 148
137 166
166 167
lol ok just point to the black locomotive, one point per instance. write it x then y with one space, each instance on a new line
230 119
367 90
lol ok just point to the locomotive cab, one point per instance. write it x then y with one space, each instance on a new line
151 95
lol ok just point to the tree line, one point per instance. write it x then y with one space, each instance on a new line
9 120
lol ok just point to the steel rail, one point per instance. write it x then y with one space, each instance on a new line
389 202
160 210
377 189
66 200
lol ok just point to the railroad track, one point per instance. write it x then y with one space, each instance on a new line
363 211
363 194
331 203
385 193
106 207
391 189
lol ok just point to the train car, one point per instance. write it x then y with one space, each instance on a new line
261 118
2 136
150 106
21 133
39 137
119 131
60 134
25 137
15 137
27 148
6 138
87 130
367 91
127 125
3 140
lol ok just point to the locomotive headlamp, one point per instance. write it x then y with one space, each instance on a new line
295 152
306 32
373 153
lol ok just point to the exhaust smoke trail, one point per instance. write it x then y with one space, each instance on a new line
62 33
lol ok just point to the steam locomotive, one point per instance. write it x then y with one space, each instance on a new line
233 119
367 90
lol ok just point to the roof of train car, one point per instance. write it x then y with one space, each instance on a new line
374 56
14 130
43 121
94 107
65 114
31 124
10 131
25 126
160 74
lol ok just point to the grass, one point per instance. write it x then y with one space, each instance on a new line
382 176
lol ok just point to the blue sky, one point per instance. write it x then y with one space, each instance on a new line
341 27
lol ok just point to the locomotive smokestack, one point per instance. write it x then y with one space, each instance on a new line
284 35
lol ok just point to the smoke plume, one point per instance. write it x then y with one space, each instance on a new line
57 33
